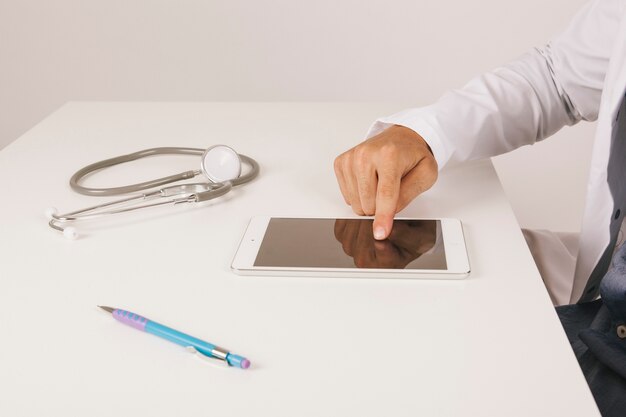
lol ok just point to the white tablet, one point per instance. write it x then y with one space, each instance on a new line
345 247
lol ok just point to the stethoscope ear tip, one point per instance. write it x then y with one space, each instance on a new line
70 233
51 212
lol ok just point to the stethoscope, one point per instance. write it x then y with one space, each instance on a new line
220 164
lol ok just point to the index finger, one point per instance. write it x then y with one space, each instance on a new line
387 195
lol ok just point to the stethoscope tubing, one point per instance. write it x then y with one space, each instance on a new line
133 188
175 194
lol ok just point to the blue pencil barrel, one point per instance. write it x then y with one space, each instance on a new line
185 340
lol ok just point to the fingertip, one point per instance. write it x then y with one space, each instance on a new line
379 233
382 226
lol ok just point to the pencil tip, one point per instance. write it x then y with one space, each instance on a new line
109 309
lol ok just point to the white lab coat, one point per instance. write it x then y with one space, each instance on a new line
579 75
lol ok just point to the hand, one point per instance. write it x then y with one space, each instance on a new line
384 174
407 242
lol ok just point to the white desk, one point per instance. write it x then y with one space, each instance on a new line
487 346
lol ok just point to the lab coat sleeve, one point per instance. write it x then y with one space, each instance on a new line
525 101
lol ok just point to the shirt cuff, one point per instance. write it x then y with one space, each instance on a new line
421 121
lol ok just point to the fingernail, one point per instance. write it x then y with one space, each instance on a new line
379 233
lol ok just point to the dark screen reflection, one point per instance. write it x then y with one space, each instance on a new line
408 241
349 243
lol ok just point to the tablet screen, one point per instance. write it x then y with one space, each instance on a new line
349 243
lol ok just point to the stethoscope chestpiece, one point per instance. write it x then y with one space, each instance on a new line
220 163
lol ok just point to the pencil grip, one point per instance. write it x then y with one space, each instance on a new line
131 319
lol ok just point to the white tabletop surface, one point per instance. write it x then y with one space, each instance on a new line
490 345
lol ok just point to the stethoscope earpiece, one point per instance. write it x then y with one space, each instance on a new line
51 212
70 233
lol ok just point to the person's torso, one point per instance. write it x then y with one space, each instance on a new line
606 191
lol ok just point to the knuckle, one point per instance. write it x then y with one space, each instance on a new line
364 181
430 172
386 191
346 161
361 157
389 151
368 206
364 192
337 164
358 210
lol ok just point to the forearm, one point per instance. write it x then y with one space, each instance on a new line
499 111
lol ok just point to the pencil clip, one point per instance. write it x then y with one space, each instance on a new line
218 363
